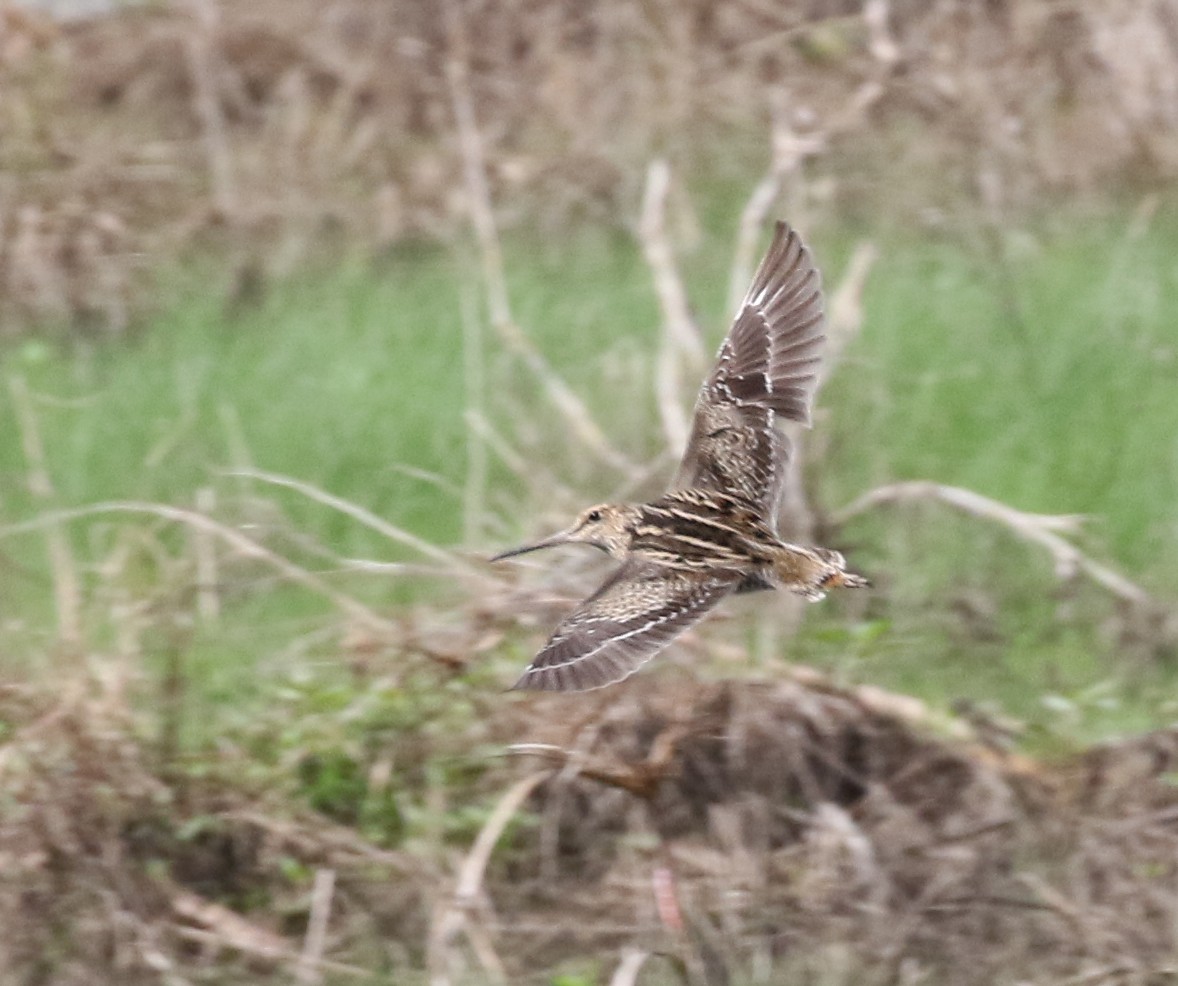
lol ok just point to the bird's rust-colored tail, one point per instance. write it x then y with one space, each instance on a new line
845 580
810 572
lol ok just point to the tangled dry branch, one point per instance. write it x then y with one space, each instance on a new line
1044 530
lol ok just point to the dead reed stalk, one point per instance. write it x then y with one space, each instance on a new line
478 203
67 592
201 50
246 547
681 350
453 915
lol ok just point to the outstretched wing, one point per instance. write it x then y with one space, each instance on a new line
767 368
636 612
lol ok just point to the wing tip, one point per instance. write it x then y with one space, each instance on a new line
547 680
788 253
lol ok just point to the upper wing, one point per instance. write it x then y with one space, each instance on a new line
636 612
767 367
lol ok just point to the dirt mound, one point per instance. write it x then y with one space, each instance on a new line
739 829
806 826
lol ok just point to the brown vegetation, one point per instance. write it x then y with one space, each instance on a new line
738 830
130 138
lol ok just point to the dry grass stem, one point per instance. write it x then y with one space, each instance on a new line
67 595
1044 530
200 49
479 937
482 216
789 152
682 334
230 928
775 830
626 974
478 423
395 534
474 866
311 959
204 551
452 915
844 318
478 193
220 927
680 348
246 547
798 817
474 359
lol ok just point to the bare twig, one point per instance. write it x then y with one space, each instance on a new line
790 151
640 779
239 452
470 877
230 928
483 219
626 974
681 347
311 959
1059 903
66 589
509 456
680 327
358 513
452 915
880 43
218 925
200 50
436 480
245 546
474 492
480 942
1044 530
208 603
844 316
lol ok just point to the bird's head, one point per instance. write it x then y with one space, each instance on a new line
606 526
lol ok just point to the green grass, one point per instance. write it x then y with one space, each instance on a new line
1051 387
1057 397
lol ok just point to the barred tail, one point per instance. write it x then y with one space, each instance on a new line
836 575
828 570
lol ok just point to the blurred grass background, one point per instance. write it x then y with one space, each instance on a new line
1047 384
239 237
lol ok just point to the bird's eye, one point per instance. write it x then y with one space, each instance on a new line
593 516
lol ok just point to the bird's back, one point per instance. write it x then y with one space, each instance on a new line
702 530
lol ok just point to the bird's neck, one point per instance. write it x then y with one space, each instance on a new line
621 544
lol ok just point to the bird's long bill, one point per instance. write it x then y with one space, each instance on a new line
550 542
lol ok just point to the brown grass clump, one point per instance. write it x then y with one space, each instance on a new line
745 831
811 828
123 866
277 129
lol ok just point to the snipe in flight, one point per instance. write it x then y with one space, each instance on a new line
715 531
